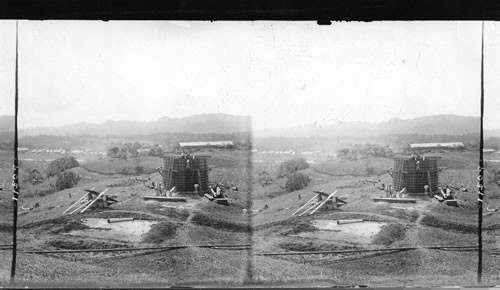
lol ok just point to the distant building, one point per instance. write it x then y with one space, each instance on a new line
212 144
446 145
488 151
22 149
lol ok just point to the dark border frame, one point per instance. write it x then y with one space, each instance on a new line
316 10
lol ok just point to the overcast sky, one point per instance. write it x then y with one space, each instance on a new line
281 73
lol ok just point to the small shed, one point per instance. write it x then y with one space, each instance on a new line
414 172
184 171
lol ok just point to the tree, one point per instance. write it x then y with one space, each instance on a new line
132 148
156 150
66 180
265 178
291 166
113 152
343 153
35 177
59 165
296 181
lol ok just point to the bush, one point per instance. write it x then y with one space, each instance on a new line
66 180
296 181
59 165
207 221
265 178
449 225
292 166
160 232
34 177
389 234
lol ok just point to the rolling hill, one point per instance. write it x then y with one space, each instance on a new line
199 124
429 125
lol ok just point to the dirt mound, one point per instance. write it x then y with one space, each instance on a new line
390 233
434 221
5 227
121 214
179 214
312 246
301 228
160 232
206 220
58 225
405 215
83 244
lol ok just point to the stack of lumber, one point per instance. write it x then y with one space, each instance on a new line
315 203
164 198
396 200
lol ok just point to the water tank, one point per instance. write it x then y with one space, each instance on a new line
414 173
186 172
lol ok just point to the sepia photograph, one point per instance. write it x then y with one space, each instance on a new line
249 153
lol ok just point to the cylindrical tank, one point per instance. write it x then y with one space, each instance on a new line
414 173
187 171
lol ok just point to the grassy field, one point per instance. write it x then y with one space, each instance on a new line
362 167
192 223
425 223
268 225
130 166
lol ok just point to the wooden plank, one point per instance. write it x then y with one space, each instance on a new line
342 222
438 198
81 198
80 207
396 200
94 200
322 193
312 205
223 201
338 200
77 202
451 202
118 220
308 202
321 204
164 198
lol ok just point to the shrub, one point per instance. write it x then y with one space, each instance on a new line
113 152
265 178
389 234
292 166
139 170
449 225
205 220
296 181
160 232
59 165
34 177
66 180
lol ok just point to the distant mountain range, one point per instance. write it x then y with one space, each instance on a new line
207 123
429 125
225 124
